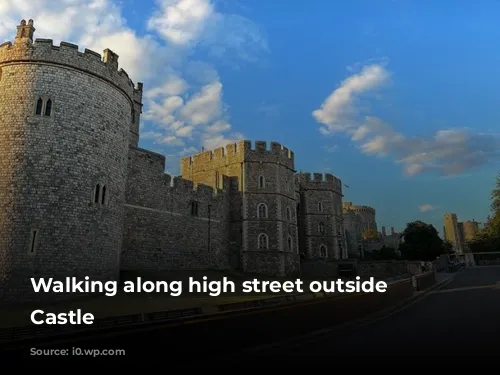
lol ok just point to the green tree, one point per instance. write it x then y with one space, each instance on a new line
488 238
495 196
447 247
384 253
421 241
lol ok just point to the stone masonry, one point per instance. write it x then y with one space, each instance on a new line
79 197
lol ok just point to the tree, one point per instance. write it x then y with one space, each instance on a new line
421 241
495 196
447 247
384 253
488 238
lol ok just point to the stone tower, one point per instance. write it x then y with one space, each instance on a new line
263 234
66 120
321 213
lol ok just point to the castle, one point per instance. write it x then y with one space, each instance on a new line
78 197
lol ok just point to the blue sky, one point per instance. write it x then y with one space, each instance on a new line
397 98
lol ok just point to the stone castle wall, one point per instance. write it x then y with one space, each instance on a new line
51 161
79 198
161 231
321 215
261 175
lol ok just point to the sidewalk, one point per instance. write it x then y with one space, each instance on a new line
443 276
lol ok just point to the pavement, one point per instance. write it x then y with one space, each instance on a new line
462 318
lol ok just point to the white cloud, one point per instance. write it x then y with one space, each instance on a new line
181 22
426 207
188 23
448 152
183 101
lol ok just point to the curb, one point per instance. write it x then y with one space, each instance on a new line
358 323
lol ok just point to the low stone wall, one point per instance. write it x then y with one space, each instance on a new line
425 281
304 317
318 269
414 267
382 269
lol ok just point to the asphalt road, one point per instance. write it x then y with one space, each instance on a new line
463 318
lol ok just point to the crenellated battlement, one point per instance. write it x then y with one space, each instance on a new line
359 209
68 55
239 152
178 185
150 186
319 181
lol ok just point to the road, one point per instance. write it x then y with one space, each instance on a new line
463 316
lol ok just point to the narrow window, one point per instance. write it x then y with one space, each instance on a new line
48 107
96 193
194 208
133 116
262 182
321 228
320 207
263 241
217 180
288 214
34 238
290 243
39 106
103 200
322 251
262 211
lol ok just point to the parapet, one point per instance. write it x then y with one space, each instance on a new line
238 152
360 209
319 181
147 168
68 55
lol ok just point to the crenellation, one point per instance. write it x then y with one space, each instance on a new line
68 46
45 45
92 55
240 207
182 184
138 92
123 72
68 55
303 177
320 181
218 153
167 179
276 147
244 146
260 146
231 149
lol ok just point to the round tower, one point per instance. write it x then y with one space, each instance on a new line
65 122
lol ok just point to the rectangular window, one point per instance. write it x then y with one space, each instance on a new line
34 237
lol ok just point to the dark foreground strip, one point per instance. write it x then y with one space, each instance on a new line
213 338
